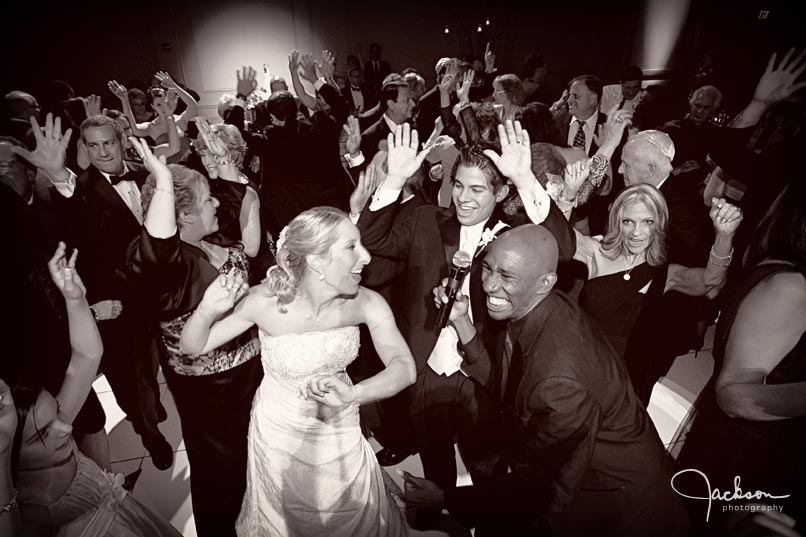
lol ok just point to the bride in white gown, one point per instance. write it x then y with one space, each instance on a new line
310 471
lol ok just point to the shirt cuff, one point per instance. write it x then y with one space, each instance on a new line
354 218
354 161
384 197
238 102
66 188
536 202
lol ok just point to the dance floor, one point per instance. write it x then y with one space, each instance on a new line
169 491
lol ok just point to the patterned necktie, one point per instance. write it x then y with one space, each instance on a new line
579 137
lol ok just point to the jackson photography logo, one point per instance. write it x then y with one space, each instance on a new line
735 495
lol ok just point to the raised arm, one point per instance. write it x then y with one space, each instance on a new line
295 60
249 220
192 109
85 340
160 219
709 280
770 322
119 91
215 322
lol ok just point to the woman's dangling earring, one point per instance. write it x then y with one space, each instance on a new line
321 276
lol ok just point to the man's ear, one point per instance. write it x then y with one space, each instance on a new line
547 282
502 193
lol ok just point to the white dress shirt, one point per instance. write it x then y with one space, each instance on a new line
358 98
611 96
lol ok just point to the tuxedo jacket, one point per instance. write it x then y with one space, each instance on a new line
374 79
425 244
371 137
584 454
563 122
97 221
365 93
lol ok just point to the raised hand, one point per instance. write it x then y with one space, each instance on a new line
328 65
778 83
92 105
726 217
403 160
574 177
489 59
64 275
50 146
612 131
463 91
222 295
330 390
353 130
367 184
171 100
460 304
308 67
450 77
118 90
246 80
166 80
211 139
515 161
293 61
153 164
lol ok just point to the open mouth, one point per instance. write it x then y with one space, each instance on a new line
495 303
465 210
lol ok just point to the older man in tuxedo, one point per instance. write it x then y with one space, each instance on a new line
583 455
100 214
445 403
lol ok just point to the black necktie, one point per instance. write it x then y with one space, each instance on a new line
621 104
128 176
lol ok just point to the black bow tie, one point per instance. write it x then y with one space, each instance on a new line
354 88
128 176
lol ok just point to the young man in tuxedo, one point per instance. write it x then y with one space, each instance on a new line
445 403
583 455
100 214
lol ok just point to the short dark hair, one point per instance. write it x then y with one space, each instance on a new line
472 156
282 105
632 73
539 123
390 89
532 62
136 93
593 83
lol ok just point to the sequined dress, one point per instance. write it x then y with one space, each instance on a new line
310 471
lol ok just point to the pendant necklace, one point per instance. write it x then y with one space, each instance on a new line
626 271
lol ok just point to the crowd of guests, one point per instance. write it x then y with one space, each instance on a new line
604 237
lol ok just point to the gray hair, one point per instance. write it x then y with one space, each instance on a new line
711 91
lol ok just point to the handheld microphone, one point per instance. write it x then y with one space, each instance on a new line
461 265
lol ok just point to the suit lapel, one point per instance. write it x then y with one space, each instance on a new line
449 230
476 291
117 207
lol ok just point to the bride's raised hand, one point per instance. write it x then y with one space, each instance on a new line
331 391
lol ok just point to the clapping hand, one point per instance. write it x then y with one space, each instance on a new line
403 160
246 80
64 275
515 161
50 146
776 84
211 139
421 492
222 295
329 390
463 91
166 80
353 130
118 90
726 217
153 164
367 184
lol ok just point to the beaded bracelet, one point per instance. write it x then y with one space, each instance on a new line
10 505
598 167
722 257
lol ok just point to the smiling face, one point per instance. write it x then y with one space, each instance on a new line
46 439
702 108
207 158
105 150
582 102
347 258
474 196
630 88
637 227
402 108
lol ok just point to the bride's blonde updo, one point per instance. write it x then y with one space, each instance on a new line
312 232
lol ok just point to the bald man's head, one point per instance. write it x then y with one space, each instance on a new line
519 271
647 158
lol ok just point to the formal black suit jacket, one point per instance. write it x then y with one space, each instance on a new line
371 137
583 451
373 78
348 96
425 243
98 222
